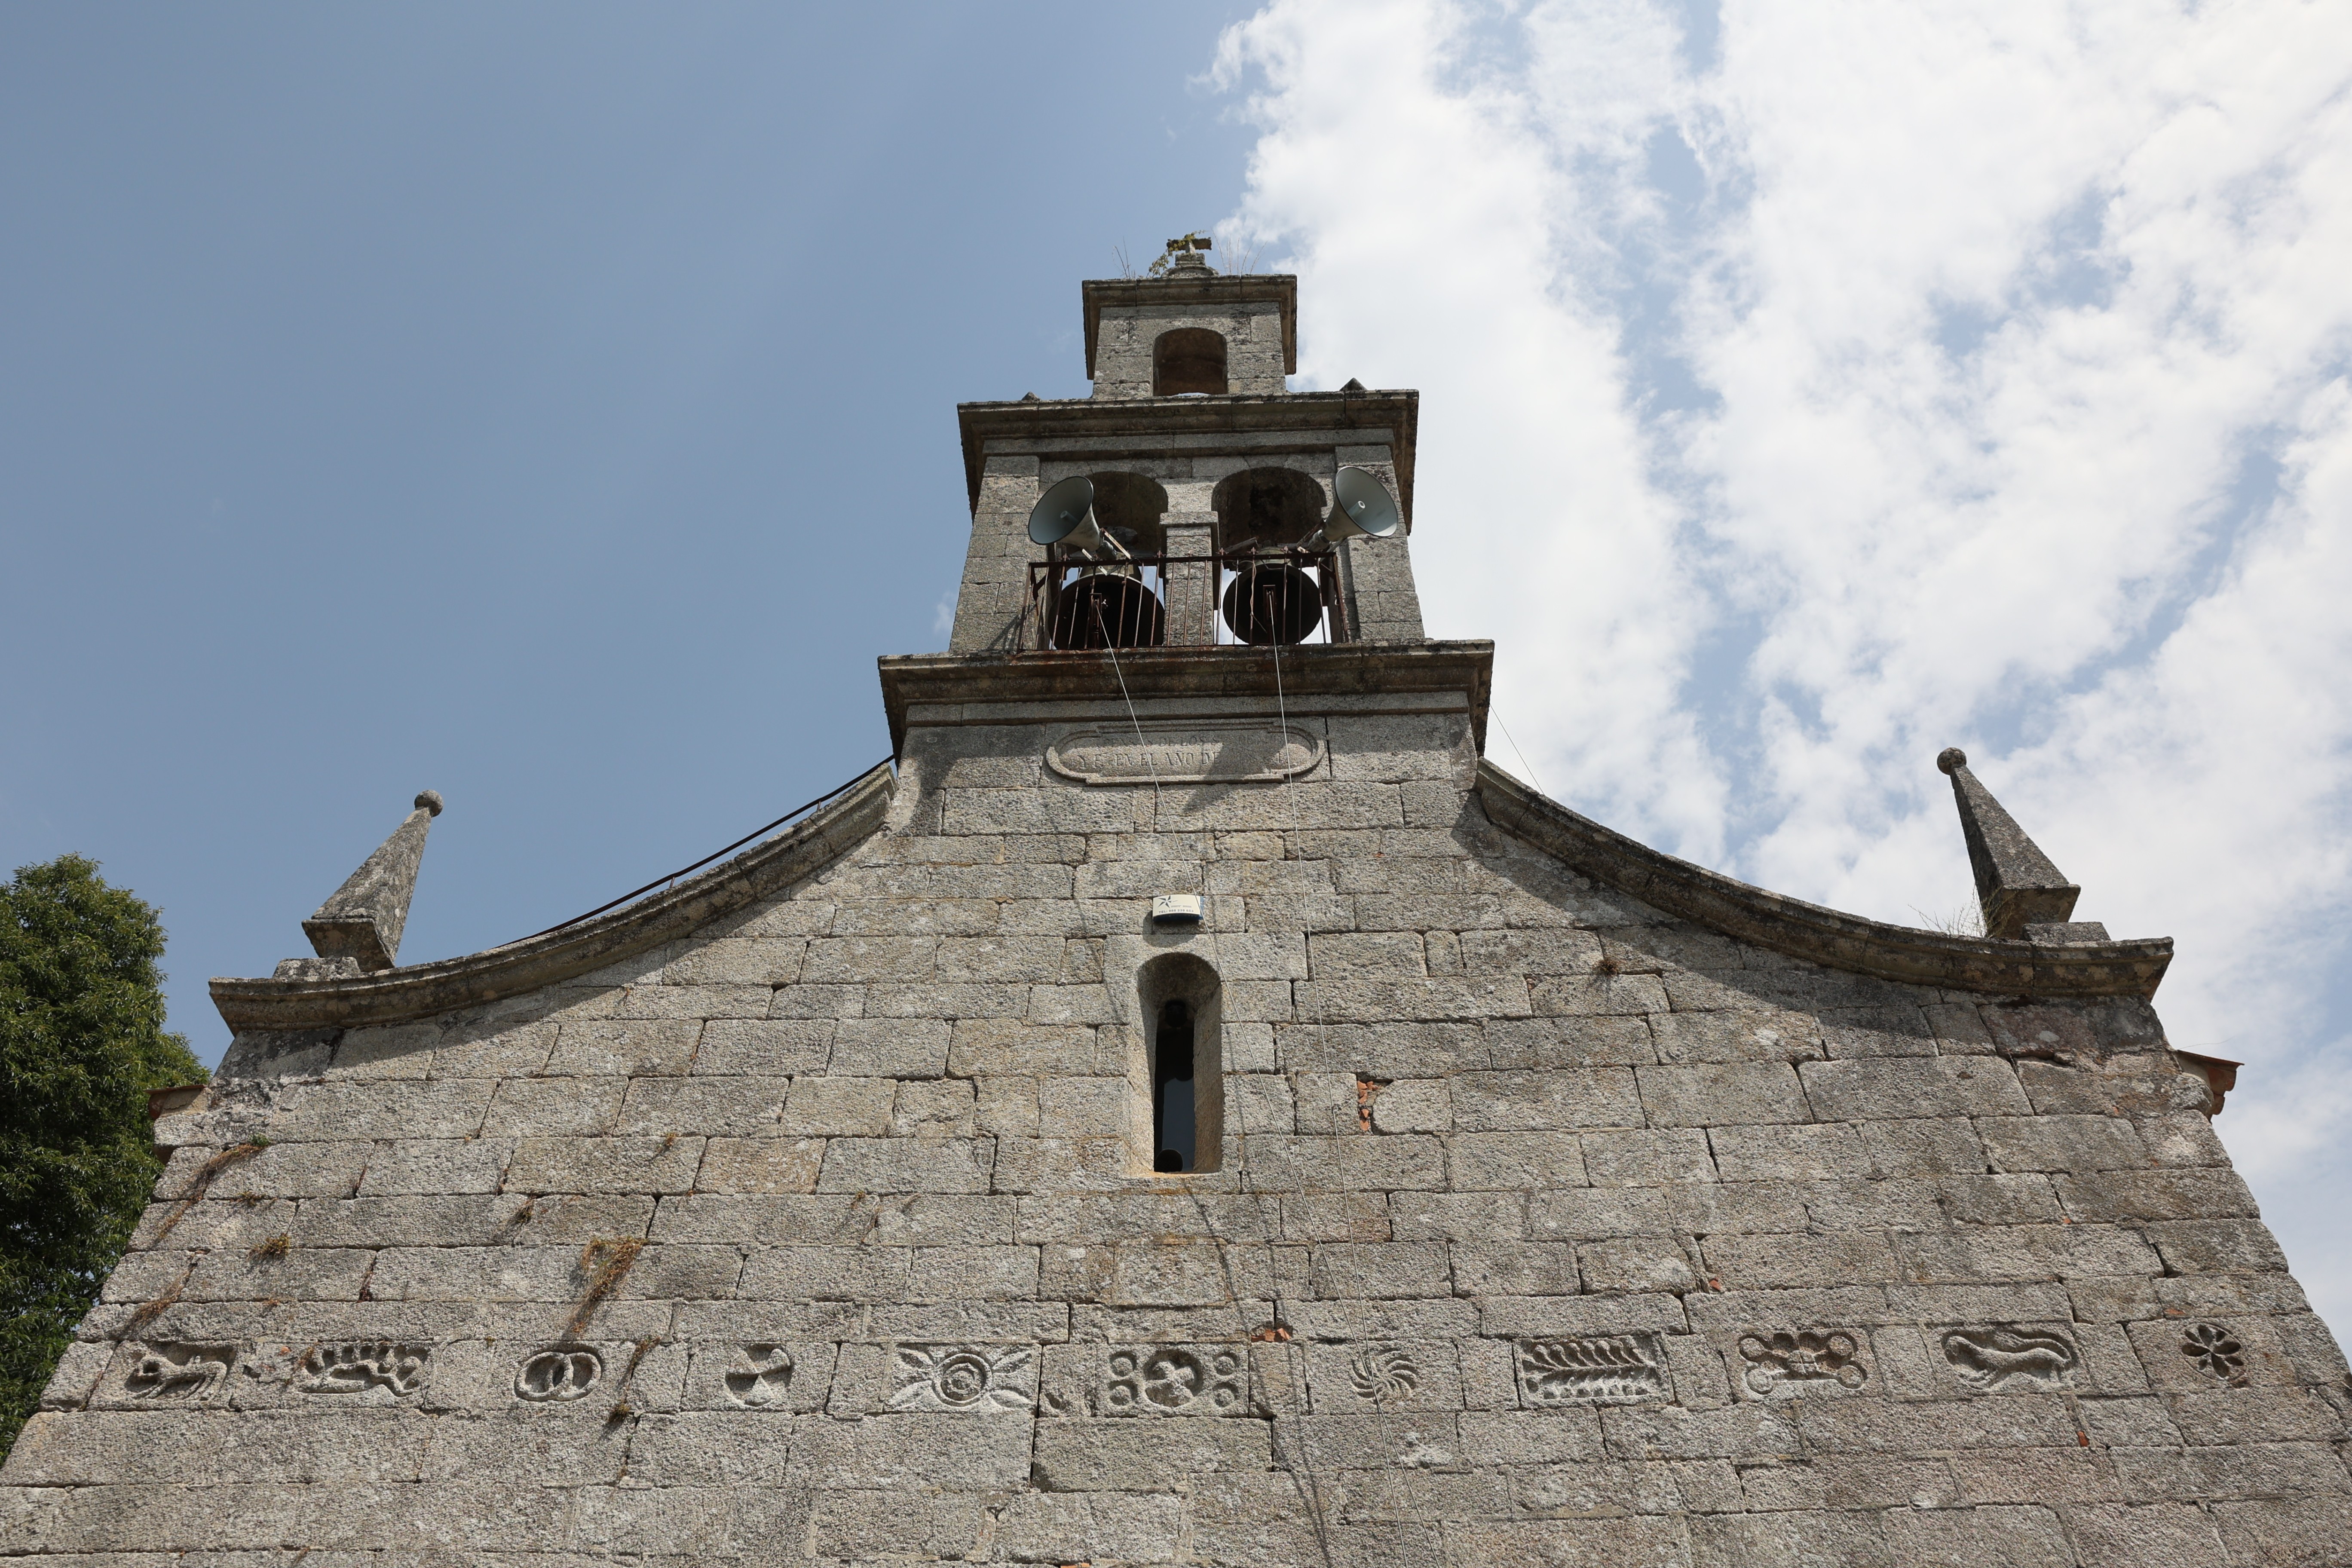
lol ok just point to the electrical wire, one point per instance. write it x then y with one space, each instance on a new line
707 859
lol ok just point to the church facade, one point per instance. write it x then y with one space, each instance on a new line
1190 1108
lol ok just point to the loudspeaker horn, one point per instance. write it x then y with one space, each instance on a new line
1066 515
1362 507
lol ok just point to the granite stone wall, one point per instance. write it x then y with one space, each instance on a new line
1546 1229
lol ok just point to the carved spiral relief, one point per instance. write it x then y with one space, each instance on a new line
357 1366
979 1378
761 1378
1998 1359
1803 1357
558 1376
1602 1368
1175 1380
1382 1372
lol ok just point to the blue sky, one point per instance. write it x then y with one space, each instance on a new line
553 406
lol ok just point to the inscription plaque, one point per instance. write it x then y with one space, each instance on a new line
1208 752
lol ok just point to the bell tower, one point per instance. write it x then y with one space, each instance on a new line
1196 501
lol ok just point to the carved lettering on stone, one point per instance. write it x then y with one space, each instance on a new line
2218 1351
1803 1358
558 1376
1998 1359
1175 1380
760 1376
980 1379
177 1373
1382 1372
1606 1369
1205 752
356 1366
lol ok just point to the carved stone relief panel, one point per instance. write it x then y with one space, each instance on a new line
1803 1358
1604 1369
1377 1376
1175 1380
1210 752
167 1371
558 1376
2216 1351
357 1366
975 1379
2001 1359
761 1377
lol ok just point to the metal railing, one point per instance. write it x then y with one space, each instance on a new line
1232 597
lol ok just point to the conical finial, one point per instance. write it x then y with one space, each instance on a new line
2016 884
363 922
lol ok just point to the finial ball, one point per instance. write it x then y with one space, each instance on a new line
1952 759
430 800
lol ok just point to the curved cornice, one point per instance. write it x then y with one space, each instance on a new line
1801 930
425 990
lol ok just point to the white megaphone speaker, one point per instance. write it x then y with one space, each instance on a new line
1362 507
1066 515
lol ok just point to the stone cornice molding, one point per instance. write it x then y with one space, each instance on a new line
1153 421
1822 936
1211 289
425 990
980 683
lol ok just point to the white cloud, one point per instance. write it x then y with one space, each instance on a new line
1899 376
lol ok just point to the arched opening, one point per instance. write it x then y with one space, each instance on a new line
1100 596
1188 360
1266 508
1181 1069
1130 507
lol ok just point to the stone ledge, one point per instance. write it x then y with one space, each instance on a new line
424 989
1822 936
1396 414
1384 670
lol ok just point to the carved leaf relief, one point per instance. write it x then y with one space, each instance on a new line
1597 1368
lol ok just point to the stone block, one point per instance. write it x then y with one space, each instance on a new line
760 1165
590 1048
1891 1087
604 1165
736 1107
1116 1455
767 1047
1640 1158
555 1107
906 1165
1723 1094
1514 1161
890 1047
1542 1101
827 1106
1802 1152
1514 1268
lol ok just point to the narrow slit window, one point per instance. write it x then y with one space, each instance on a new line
1174 1125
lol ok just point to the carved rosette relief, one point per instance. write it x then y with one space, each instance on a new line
978 1379
1998 1360
558 1376
176 1372
1383 1373
1605 1369
1175 1380
2218 1351
1804 1359
760 1376
355 1367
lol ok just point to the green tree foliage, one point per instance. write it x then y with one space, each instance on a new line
81 1042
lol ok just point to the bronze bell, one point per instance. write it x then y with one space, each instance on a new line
1272 601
